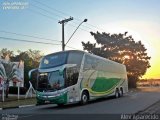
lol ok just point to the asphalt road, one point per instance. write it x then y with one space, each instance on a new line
131 103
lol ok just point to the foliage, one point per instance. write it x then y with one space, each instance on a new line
4 52
31 59
8 71
123 49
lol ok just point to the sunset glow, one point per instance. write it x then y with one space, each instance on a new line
140 18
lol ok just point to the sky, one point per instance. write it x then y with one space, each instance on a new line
39 18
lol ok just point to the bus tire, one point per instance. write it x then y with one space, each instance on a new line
117 93
84 97
121 92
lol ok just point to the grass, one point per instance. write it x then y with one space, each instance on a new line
12 102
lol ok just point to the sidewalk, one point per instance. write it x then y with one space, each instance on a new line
153 109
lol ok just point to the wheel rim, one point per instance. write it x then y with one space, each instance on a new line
117 94
120 93
84 98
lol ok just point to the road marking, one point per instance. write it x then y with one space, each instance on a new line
22 106
24 116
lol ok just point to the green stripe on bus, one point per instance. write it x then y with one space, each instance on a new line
103 84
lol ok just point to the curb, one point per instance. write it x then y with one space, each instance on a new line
21 106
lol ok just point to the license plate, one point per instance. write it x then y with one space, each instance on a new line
47 101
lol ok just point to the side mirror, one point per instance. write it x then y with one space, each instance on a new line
61 72
30 72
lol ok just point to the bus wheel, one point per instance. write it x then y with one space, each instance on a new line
121 92
117 93
84 98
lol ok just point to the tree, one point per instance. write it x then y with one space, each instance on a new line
123 49
31 60
4 52
8 72
8 69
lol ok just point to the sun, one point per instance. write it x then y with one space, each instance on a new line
126 57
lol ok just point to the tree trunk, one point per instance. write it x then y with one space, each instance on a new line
132 82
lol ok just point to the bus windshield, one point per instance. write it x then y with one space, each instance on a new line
50 81
55 80
53 60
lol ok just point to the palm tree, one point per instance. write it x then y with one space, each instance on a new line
8 72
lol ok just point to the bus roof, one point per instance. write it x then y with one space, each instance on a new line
79 51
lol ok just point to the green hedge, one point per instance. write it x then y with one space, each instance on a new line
14 90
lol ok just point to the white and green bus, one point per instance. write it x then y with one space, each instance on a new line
76 76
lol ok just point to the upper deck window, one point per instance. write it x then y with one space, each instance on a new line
53 60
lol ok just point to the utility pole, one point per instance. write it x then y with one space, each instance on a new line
63 22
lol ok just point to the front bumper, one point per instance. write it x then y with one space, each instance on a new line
59 98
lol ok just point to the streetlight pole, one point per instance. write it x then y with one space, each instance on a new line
62 22
85 20
65 21
63 44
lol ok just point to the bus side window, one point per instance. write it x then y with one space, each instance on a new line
75 58
73 72
90 63
71 76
